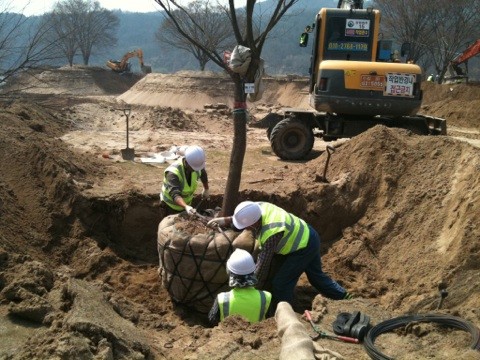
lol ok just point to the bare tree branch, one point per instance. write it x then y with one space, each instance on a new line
24 44
206 24
437 33
82 25
246 34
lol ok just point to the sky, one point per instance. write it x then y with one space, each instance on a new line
38 7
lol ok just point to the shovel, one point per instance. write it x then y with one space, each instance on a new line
127 153
323 178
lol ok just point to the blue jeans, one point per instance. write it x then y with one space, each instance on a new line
308 261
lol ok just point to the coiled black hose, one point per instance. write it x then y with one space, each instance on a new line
389 325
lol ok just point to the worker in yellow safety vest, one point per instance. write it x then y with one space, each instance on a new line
243 300
180 181
280 232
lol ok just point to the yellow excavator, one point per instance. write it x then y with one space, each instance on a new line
123 66
357 80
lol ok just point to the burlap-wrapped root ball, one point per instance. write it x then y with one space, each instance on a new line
193 257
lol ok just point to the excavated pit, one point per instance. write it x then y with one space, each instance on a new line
129 225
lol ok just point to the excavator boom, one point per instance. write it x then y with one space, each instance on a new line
455 72
470 52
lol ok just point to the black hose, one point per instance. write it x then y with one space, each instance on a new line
395 323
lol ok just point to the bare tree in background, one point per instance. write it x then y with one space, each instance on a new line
438 31
24 44
82 25
62 30
253 36
455 24
97 28
212 30
407 21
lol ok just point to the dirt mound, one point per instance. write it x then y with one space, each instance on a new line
401 202
34 158
78 261
75 80
189 90
458 103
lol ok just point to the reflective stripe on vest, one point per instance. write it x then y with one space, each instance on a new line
250 303
188 191
275 220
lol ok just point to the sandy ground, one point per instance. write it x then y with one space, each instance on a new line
78 260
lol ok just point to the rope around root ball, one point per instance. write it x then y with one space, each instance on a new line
193 259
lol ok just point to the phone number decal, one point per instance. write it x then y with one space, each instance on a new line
347 46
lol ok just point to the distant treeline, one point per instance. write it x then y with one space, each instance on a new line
282 53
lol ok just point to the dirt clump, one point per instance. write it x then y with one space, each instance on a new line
398 217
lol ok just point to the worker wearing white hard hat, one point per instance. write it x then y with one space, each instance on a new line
280 232
180 181
243 300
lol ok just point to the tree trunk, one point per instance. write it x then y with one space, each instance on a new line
202 61
86 58
230 198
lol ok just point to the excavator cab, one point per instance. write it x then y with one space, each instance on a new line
353 72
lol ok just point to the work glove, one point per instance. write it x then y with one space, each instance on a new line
205 194
216 222
190 210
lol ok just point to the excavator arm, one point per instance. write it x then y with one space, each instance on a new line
454 68
470 52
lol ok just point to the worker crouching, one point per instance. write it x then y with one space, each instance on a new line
243 300
280 232
180 182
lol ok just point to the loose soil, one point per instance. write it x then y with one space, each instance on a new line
399 217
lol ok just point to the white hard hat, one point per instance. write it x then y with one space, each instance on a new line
241 263
246 214
195 157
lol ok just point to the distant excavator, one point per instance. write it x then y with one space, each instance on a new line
123 66
456 73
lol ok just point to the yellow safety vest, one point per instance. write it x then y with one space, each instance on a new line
187 190
275 220
248 302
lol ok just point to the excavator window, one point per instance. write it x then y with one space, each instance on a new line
347 39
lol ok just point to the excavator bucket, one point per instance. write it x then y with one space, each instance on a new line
146 69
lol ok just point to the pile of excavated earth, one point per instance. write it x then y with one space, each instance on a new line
398 217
